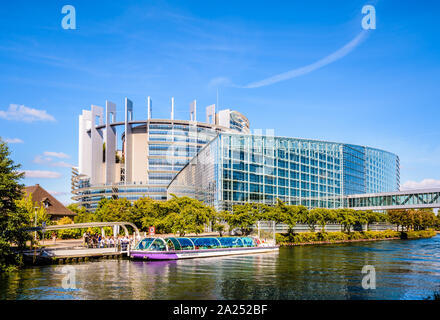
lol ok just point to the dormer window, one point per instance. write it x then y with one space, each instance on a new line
46 203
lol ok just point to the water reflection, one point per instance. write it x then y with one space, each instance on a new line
404 270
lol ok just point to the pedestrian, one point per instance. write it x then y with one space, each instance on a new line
54 237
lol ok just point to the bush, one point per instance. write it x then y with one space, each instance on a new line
310 237
418 234
68 233
8 259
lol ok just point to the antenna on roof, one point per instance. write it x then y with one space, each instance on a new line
172 108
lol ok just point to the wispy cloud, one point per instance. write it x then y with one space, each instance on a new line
13 140
58 193
219 82
342 52
47 159
60 155
42 174
25 114
424 184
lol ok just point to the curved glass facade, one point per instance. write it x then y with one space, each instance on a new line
168 145
235 169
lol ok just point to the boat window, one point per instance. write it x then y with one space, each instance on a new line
230 242
158 245
248 242
186 243
173 244
144 243
207 243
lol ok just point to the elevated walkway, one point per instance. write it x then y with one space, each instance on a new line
408 199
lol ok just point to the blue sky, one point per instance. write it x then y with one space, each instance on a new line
384 93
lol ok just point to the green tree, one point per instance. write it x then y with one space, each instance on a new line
324 216
188 215
113 210
67 233
396 217
12 220
147 212
283 213
82 215
243 217
27 205
218 222
347 218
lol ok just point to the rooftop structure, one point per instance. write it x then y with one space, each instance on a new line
152 151
54 208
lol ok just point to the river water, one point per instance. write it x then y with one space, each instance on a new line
404 270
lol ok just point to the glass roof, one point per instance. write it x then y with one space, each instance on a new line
194 243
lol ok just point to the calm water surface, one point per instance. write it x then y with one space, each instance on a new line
404 270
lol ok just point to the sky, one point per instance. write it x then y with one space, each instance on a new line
305 69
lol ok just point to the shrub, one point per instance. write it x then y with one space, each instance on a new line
310 237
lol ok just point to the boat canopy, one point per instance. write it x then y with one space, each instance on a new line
183 243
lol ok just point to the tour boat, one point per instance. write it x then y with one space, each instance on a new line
173 248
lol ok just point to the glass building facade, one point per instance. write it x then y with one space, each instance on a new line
237 168
162 149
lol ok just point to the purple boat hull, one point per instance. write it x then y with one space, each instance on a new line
203 253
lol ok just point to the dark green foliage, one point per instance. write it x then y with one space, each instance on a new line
12 220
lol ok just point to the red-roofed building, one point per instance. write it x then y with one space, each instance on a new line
55 209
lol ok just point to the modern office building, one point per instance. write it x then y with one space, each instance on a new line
218 161
239 168
152 151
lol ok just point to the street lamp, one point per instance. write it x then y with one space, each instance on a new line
35 224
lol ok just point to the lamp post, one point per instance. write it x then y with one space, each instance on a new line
35 224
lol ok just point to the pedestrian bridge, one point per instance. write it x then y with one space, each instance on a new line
87 225
409 199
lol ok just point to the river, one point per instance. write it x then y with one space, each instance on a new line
405 269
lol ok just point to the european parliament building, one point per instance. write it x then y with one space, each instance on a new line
219 162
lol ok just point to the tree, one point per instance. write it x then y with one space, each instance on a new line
347 218
147 212
113 210
283 213
243 217
396 217
28 206
12 220
188 215
67 233
218 222
82 215
324 216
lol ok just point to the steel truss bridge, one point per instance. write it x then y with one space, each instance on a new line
409 199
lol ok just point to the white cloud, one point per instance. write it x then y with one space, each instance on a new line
48 161
58 193
60 155
219 82
61 164
42 160
41 174
424 184
26 114
13 140
342 52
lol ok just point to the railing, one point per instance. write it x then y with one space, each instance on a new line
333 227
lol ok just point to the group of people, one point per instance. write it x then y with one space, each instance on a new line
96 240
